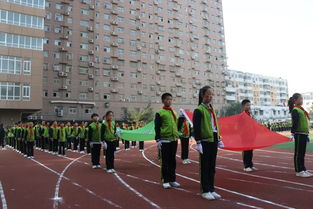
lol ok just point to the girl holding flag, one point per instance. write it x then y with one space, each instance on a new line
206 133
300 133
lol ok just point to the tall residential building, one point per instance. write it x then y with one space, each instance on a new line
21 58
104 55
269 95
308 100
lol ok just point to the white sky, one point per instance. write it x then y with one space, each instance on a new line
271 37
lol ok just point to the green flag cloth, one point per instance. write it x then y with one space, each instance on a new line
145 133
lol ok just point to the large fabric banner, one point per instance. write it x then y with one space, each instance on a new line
239 132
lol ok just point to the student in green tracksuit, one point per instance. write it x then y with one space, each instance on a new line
300 133
10 135
37 128
206 133
109 137
45 136
74 137
53 142
24 142
81 137
68 129
30 140
184 129
94 136
61 139
166 137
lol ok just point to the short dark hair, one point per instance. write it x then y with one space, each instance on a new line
94 115
245 101
108 113
165 95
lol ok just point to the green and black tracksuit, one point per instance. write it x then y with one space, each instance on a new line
53 142
30 140
81 138
61 139
206 133
45 136
108 134
166 132
94 137
184 135
68 131
300 130
75 133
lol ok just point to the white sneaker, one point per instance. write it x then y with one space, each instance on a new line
98 166
303 174
254 168
141 150
94 166
208 196
114 171
216 196
110 171
127 149
174 184
186 161
117 148
247 169
82 152
166 185
310 174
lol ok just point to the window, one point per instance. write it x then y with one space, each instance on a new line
10 65
26 92
72 110
13 18
10 91
107 27
19 41
27 65
107 49
83 96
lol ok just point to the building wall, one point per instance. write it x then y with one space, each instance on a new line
20 64
168 46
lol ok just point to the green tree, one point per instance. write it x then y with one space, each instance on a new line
138 115
231 109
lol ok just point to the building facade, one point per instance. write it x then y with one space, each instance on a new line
308 100
115 55
269 95
21 58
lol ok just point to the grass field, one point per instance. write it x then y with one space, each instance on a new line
290 145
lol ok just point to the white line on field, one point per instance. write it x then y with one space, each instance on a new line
3 200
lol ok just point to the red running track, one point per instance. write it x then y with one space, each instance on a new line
50 181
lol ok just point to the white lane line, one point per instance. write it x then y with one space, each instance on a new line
248 206
3 200
136 192
226 190
76 184
257 176
57 199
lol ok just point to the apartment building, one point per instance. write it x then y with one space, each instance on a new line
21 58
115 55
269 95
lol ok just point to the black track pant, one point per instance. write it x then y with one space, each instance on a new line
300 149
168 161
141 145
55 143
75 143
61 148
126 144
247 158
207 165
30 149
95 154
184 142
109 154
81 144
88 147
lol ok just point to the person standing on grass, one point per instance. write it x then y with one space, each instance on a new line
300 133
247 155
166 137
94 137
109 140
184 136
206 133
61 139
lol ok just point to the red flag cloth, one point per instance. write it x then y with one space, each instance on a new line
241 132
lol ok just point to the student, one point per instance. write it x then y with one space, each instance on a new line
94 136
248 154
184 129
45 135
74 137
166 137
68 130
30 140
61 139
206 133
53 142
109 141
87 142
81 137
300 133
2 135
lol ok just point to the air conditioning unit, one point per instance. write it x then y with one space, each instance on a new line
113 12
62 49
92 7
114 67
91 64
113 33
60 113
91 41
67 13
90 28
114 78
114 22
61 74
158 82
114 44
138 48
140 92
90 89
64 87
90 76
91 52
139 70
66 37
114 90
138 17
157 51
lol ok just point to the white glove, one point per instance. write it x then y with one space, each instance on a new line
292 138
220 144
159 144
105 146
199 148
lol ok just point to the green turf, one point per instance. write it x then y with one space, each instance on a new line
290 145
